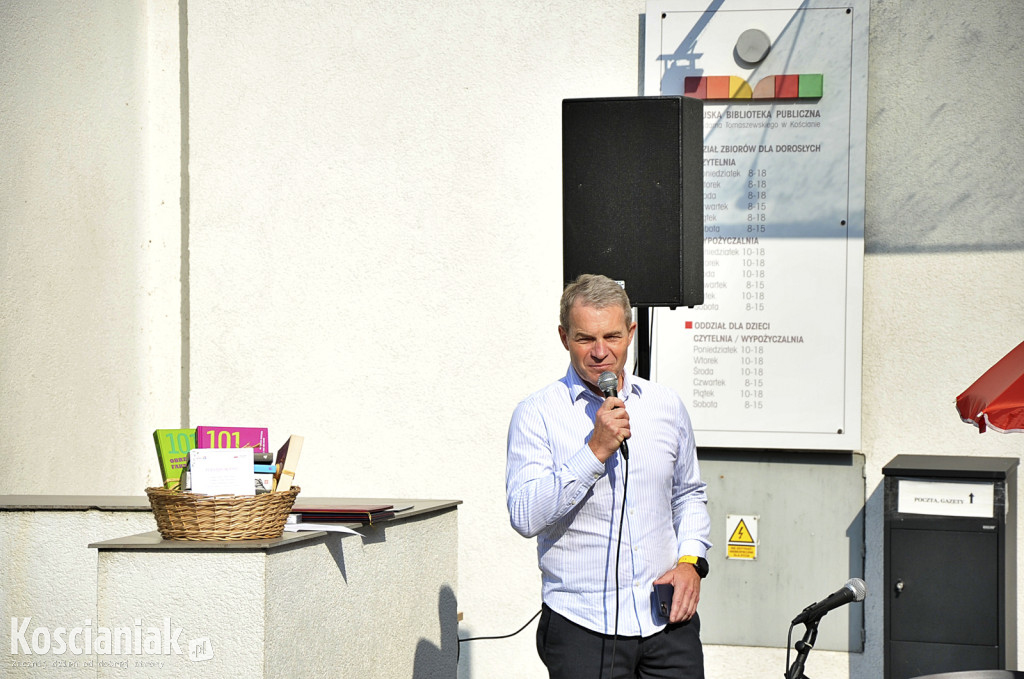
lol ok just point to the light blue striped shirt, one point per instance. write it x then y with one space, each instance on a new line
558 491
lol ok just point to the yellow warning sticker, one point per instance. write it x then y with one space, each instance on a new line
740 552
741 533
741 530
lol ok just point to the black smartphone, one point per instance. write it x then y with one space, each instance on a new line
663 597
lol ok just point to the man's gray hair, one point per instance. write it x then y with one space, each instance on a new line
593 290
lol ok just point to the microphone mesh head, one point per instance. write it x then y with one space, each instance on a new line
858 587
608 382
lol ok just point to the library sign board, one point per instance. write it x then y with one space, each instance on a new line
772 359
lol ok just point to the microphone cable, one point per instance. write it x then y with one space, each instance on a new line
458 652
618 548
608 384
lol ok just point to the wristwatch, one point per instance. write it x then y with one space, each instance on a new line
699 563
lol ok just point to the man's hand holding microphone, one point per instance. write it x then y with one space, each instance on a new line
611 424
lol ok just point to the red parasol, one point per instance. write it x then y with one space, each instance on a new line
996 399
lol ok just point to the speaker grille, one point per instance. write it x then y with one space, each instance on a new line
632 189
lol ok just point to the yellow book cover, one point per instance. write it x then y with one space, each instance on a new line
172 446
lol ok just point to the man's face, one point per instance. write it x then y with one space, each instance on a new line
597 340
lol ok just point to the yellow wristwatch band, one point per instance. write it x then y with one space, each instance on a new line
688 559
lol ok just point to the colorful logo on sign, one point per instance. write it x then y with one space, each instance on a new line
718 87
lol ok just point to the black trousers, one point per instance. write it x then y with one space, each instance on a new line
573 652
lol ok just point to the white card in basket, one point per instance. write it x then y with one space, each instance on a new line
222 471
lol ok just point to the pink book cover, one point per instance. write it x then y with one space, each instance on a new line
232 437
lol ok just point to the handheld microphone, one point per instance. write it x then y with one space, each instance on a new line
853 590
609 384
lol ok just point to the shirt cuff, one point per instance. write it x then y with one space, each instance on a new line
692 548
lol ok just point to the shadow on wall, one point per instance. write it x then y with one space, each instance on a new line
966 232
870 662
433 662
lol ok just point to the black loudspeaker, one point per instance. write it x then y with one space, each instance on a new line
633 195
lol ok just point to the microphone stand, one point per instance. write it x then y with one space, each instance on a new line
803 648
643 342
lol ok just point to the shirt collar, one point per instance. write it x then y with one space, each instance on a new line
577 386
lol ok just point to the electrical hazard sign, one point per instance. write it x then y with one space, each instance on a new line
741 542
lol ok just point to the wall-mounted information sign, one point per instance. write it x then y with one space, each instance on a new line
741 542
772 359
946 498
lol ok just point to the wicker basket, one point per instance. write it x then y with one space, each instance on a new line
187 516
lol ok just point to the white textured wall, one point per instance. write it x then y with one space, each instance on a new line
49 573
374 248
945 250
89 243
347 607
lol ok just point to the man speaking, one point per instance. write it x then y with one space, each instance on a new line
610 521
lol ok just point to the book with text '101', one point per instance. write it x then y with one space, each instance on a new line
172 446
233 437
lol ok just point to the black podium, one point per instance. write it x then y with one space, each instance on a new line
950 564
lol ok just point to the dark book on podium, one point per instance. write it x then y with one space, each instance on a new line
323 513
